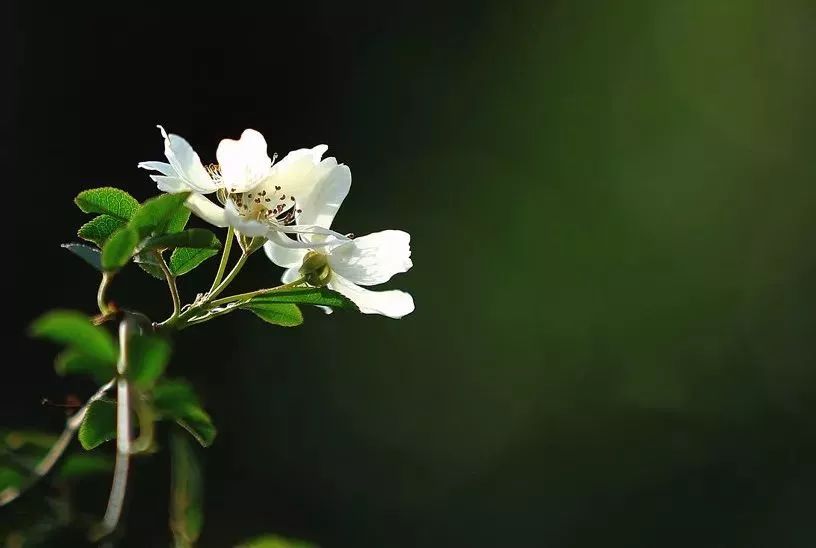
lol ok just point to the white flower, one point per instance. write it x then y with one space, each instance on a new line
259 197
344 266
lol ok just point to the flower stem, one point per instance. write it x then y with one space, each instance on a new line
171 283
222 266
243 296
230 277
100 294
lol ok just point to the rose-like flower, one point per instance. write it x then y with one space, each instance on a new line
257 196
344 266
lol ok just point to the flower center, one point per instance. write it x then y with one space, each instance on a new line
267 203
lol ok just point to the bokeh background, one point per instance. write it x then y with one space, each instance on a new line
612 213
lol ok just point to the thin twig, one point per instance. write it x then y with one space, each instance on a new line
52 457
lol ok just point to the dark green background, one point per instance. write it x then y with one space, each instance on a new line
613 227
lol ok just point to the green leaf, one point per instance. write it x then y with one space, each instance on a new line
148 358
198 238
100 228
179 220
98 425
275 541
304 295
72 362
82 465
9 479
199 424
283 314
186 493
156 214
176 400
148 262
185 259
75 330
108 201
88 254
119 248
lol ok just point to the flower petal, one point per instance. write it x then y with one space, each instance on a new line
247 227
244 163
187 164
207 210
372 259
290 275
394 303
286 257
171 185
162 167
318 186
332 185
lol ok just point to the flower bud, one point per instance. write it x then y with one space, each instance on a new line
316 269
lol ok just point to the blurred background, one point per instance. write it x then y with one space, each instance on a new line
613 228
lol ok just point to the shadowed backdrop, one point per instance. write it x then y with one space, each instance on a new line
613 231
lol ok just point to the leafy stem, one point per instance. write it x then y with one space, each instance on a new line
50 459
246 296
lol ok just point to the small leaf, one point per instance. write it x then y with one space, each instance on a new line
304 295
283 314
275 541
186 493
156 214
88 254
176 400
185 259
199 424
179 220
75 330
198 238
98 425
149 263
82 465
100 228
9 479
108 201
172 398
72 362
148 358
119 248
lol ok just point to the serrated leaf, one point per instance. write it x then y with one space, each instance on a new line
98 425
73 362
88 254
100 228
75 330
147 360
156 214
149 264
176 400
186 493
179 220
185 259
108 201
304 295
283 314
275 541
119 248
197 238
82 465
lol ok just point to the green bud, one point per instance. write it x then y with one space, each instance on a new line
315 269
